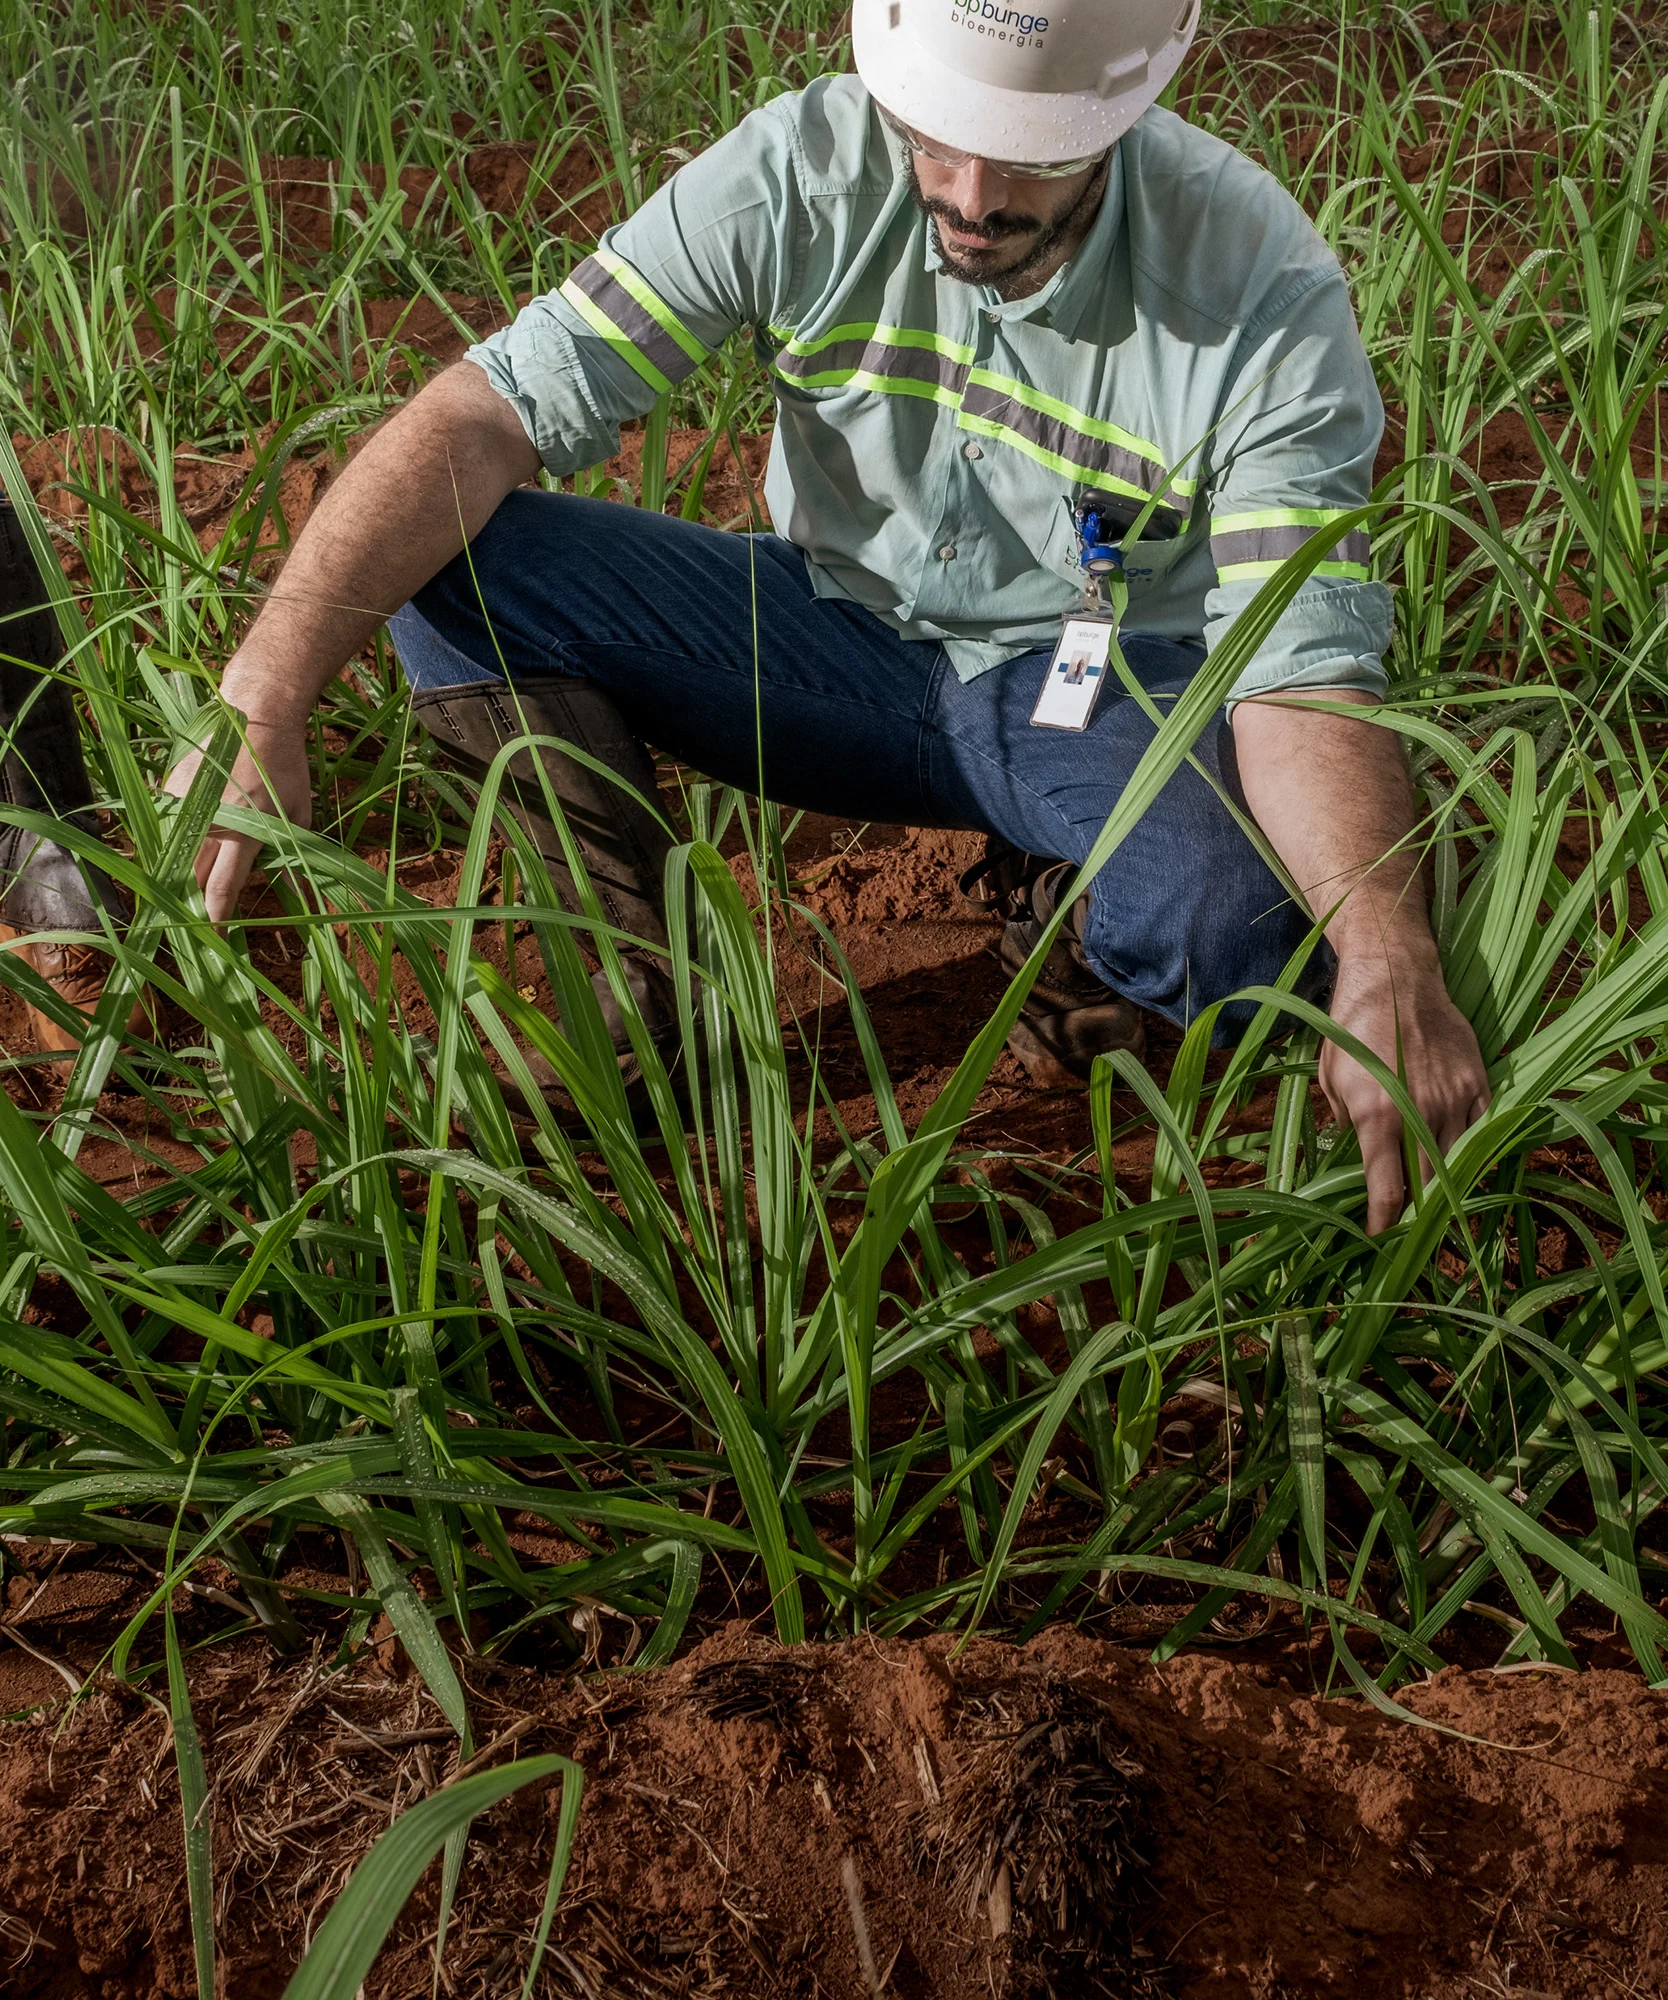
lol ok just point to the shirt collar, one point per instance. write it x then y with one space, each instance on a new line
1066 294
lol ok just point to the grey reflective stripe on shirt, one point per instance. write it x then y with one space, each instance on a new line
1053 438
876 364
892 360
620 306
901 361
1253 545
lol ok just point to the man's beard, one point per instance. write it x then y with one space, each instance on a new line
1044 237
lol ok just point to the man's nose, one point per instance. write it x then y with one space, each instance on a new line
978 190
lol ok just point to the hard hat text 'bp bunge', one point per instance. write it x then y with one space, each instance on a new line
1044 80
990 20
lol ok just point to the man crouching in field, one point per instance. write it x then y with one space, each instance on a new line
996 288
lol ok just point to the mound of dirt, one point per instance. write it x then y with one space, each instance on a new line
880 878
880 1817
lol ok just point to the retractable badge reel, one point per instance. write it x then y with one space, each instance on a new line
1082 657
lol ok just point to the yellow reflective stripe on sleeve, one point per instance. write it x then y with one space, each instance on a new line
652 303
1277 517
1353 572
628 350
1256 544
618 306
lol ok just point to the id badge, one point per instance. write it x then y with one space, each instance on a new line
1076 674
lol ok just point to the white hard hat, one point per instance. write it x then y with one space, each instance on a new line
1035 80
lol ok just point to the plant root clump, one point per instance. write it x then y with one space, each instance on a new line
1038 1831
771 1690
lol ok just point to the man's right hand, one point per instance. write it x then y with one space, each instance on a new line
271 775
427 481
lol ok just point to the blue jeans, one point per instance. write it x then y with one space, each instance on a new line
716 650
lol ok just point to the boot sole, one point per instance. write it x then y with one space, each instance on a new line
1047 1068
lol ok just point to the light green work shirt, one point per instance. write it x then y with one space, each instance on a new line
930 436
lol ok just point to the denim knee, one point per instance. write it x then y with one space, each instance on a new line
1180 937
429 660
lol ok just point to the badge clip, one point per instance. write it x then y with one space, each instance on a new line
1078 669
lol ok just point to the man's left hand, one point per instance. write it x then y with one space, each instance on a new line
1397 1006
1331 791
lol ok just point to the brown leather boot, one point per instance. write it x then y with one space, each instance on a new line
1070 1016
621 842
43 887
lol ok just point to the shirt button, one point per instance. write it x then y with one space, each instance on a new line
971 450
992 315
947 553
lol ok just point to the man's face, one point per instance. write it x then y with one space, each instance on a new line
993 228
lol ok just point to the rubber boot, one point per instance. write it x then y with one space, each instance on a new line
621 842
43 887
1070 1016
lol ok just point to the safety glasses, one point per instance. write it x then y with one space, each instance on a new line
1015 170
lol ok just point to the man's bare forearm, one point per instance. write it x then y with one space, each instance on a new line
1332 795
424 484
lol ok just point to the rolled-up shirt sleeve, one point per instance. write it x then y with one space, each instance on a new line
1292 453
707 253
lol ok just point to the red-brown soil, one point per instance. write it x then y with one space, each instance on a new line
1064 1820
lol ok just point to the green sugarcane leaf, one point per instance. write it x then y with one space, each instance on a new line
195 1807
406 1611
1306 1428
1496 1520
69 1370
1084 1365
680 1601
567 1828
348 1940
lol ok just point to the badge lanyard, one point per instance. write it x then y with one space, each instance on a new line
1081 662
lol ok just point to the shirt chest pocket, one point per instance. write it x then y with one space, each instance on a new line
1147 563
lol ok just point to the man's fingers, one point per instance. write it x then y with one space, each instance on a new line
1454 1116
1381 1157
1451 1129
1445 1127
1361 1102
178 781
227 872
1449 1119
269 775
1327 1078
1418 1033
